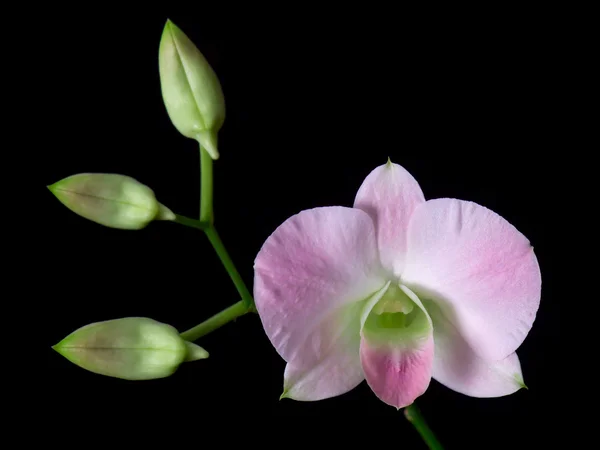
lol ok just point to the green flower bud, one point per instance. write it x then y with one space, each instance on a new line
132 348
112 200
191 90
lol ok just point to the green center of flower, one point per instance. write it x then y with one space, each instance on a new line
395 316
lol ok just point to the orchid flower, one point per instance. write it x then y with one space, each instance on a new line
397 290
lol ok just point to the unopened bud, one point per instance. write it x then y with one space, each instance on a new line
191 91
112 200
132 348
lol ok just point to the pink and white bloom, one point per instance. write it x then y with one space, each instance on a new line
397 290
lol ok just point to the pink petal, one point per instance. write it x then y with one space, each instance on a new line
339 370
479 269
457 367
398 375
390 194
311 277
397 359
336 374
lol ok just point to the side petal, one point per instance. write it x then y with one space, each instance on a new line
397 348
389 195
330 377
479 269
457 367
311 276
338 371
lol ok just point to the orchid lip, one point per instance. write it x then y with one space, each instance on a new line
397 346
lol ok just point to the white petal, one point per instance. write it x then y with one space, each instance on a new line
480 270
458 367
389 194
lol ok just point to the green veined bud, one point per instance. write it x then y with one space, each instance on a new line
132 348
190 88
112 200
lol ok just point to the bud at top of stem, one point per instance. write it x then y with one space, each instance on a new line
190 88
112 200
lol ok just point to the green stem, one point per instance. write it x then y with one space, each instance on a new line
215 240
205 224
414 416
206 187
207 217
188 222
216 321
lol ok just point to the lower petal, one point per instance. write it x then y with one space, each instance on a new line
459 368
334 375
338 370
397 348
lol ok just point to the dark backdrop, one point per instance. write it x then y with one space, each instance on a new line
313 105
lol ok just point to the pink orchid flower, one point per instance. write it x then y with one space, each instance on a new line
397 290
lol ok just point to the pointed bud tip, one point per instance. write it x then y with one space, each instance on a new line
168 24
284 394
58 348
214 153
389 162
208 141
166 38
194 352
164 213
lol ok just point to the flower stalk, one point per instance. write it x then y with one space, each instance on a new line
414 416
217 321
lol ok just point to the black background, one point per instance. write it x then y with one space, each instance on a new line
313 105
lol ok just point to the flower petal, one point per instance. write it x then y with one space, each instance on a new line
309 274
390 194
331 377
396 348
479 269
457 367
338 371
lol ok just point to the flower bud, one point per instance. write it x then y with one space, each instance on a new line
190 88
112 200
132 348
